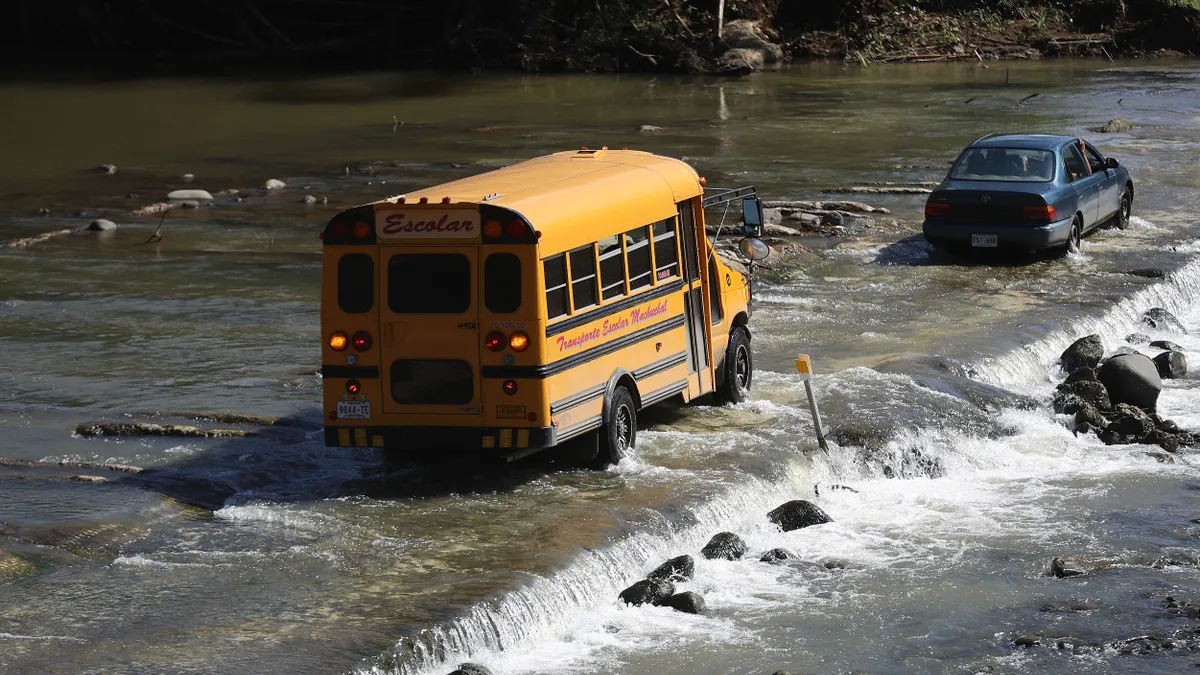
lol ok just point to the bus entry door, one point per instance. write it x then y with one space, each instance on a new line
699 381
429 330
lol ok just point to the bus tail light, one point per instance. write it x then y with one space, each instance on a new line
515 228
518 341
493 229
1041 213
353 387
361 341
338 341
509 387
495 341
362 230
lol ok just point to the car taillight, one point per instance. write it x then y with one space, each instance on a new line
1045 213
509 387
495 341
937 209
353 386
518 341
338 341
361 340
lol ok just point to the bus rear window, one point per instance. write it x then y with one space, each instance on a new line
502 283
432 382
429 283
356 283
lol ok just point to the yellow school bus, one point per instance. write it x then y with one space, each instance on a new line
530 306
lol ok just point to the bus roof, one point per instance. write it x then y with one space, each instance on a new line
557 193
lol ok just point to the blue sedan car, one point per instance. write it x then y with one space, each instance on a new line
1027 192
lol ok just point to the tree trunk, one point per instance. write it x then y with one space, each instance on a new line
720 17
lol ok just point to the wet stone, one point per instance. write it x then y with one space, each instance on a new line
1067 607
1167 345
680 568
471 669
1117 125
776 555
1131 379
274 184
1029 640
647 592
1138 339
101 225
1171 365
190 195
1161 319
1085 352
650 129
109 169
1075 566
724 546
798 514
686 602
309 199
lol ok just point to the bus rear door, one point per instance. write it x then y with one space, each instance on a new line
429 331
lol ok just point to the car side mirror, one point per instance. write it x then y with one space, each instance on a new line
1111 163
752 217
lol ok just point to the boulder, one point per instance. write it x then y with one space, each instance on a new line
746 34
471 669
1075 566
1172 365
648 592
724 546
776 555
686 602
102 225
1118 125
1137 339
1160 319
681 568
1132 379
190 195
1167 345
1123 350
1085 352
274 184
797 514
833 219
1070 397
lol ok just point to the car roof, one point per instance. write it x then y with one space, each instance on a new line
1032 141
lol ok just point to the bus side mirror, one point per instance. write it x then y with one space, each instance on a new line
1111 163
752 217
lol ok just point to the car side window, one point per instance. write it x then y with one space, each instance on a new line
1094 158
1073 161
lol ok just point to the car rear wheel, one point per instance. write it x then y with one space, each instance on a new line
1075 238
1125 211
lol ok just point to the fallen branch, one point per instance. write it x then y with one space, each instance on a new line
36 239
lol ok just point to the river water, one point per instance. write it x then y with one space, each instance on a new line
273 554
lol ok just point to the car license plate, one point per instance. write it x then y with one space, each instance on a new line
988 240
354 410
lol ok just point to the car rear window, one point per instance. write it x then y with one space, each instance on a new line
1005 164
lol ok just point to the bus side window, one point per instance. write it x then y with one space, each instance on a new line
557 302
502 283
666 250
583 276
356 283
612 268
637 248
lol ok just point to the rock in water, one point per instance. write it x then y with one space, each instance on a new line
1138 339
650 129
274 184
102 225
1117 125
1070 396
1075 566
1085 352
1132 379
1171 365
687 602
776 555
1167 345
471 669
1161 319
109 169
190 194
309 199
681 568
1081 375
648 592
1131 423
724 546
798 513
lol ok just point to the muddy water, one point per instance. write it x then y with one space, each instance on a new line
270 553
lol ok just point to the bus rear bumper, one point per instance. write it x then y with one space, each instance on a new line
468 439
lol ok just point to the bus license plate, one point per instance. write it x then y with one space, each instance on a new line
987 240
510 412
354 410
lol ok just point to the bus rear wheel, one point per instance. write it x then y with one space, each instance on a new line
618 437
738 368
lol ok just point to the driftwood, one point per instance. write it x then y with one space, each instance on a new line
36 239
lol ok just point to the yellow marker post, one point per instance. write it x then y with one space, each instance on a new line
805 369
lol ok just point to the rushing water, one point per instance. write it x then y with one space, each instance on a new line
309 559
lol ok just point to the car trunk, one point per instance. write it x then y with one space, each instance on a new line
981 201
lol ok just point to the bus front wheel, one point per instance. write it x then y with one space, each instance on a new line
738 368
618 437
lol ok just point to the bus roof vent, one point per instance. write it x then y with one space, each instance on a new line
590 154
